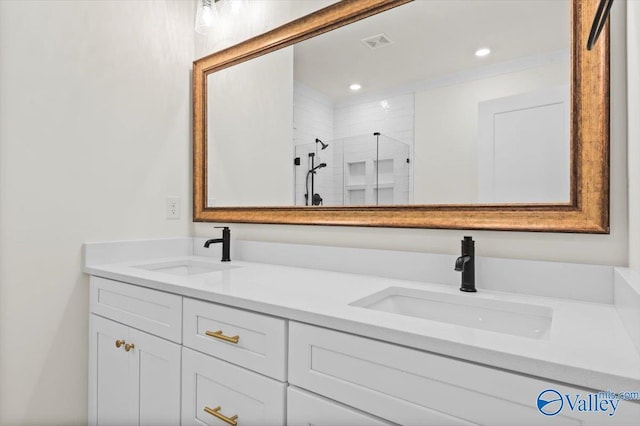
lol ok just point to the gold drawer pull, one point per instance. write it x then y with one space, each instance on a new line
119 343
129 346
216 412
218 335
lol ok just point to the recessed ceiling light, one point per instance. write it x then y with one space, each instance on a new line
355 87
483 52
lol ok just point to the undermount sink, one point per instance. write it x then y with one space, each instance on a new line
468 310
186 267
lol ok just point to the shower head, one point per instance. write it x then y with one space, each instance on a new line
324 145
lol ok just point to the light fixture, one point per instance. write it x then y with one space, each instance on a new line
355 87
207 13
483 52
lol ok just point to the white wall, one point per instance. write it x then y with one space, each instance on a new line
633 97
446 149
95 133
257 17
603 249
250 159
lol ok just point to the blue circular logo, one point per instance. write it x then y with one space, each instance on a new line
550 402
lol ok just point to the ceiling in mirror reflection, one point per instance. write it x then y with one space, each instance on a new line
431 39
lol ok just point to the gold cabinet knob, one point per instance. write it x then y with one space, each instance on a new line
119 343
129 346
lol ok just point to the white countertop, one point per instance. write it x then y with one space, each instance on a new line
588 345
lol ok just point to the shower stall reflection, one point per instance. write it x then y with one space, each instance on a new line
371 169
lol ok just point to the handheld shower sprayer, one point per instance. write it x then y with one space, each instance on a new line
319 166
316 200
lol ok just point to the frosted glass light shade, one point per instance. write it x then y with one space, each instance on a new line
206 16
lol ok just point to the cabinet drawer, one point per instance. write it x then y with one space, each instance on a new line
261 339
304 408
209 383
409 386
148 310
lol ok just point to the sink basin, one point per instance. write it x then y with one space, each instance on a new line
468 310
186 267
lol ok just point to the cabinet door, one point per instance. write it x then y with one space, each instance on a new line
217 393
304 408
109 391
139 386
154 379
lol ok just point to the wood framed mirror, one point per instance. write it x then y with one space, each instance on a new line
585 211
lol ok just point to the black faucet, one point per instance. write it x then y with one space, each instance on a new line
467 264
226 243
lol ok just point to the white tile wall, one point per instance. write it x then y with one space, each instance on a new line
399 177
392 116
352 127
313 118
360 170
312 115
325 178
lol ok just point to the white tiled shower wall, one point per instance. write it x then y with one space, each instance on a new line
313 117
362 174
392 116
317 116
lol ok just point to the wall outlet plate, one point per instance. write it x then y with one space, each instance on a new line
173 207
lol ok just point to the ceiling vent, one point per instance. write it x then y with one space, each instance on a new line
377 41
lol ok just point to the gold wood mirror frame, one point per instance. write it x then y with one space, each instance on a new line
587 212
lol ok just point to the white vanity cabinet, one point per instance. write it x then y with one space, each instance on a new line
215 392
238 374
160 358
307 409
413 387
228 366
254 341
134 355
